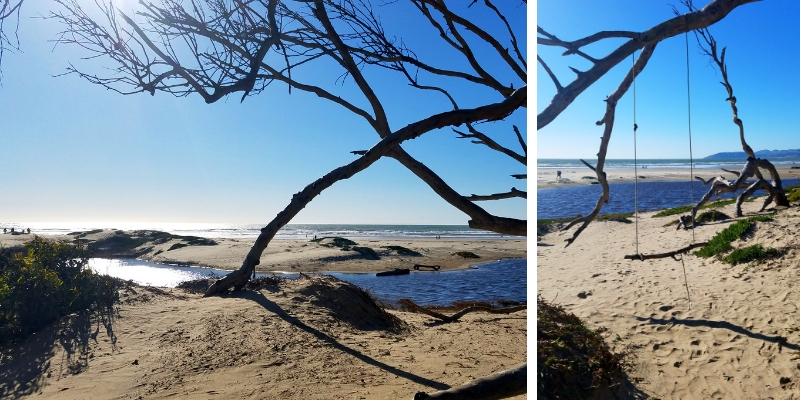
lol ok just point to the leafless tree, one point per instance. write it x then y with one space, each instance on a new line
646 41
219 48
9 14
216 48
753 165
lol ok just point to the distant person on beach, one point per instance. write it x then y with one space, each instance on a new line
558 174
5 230
29 231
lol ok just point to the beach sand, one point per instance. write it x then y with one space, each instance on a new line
303 339
302 255
300 339
740 338
546 178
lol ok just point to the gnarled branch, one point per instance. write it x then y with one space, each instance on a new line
710 14
455 317
499 196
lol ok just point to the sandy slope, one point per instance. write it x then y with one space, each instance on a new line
304 339
739 340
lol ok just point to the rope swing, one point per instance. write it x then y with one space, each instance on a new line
692 245
691 161
635 170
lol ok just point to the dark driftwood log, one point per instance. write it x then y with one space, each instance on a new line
433 267
500 385
452 318
643 257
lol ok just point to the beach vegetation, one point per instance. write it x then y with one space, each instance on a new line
47 282
545 226
79 235
403 251
132 243
177 246
721 242
335 241
685 209
466 254
367 252
573 360
711 216
750 253
794 196
588 177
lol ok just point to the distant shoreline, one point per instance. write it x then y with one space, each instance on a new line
547 178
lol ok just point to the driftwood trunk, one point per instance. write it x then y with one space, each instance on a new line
500 385
753 165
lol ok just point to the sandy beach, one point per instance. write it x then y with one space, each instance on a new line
738 340
302 255
304 339
546 178
310 338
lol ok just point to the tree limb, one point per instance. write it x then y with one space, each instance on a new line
552 75
500 385
499 196
488 142
672 254
455 317
608 121
482 219
710 14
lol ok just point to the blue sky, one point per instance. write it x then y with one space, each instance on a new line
762 61
73 151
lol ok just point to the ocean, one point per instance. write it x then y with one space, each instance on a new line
567 202
247 231
678 163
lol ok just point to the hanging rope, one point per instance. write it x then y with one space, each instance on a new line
689 112
691 161
635 171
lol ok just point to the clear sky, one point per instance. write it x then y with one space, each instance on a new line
73 151
762 61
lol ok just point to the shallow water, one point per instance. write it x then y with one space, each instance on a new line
499 280
569 201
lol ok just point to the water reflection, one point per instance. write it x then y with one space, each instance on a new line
500 280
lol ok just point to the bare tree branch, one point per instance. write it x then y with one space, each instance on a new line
498 196
710 14
608 121
455 317
672 254
485 140
552 75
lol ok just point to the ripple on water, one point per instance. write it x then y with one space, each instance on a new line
499 280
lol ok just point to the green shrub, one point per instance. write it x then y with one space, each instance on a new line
367 252
177 246
572 360
750 253
588 177
466 254
794 195
685 209
711 216
403 251
722 241
50 281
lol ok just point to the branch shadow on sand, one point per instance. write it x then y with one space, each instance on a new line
25 367
270 306
722 325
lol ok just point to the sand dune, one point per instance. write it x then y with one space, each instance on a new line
738 340
304 339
